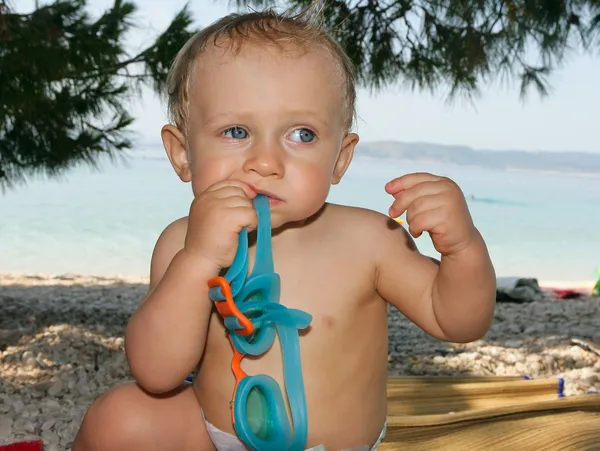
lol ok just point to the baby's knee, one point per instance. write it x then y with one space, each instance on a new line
115 421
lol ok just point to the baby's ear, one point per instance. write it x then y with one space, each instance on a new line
344 158
175 146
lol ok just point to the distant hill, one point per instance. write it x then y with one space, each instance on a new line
563 162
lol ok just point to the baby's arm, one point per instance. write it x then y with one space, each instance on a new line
165 336
454 299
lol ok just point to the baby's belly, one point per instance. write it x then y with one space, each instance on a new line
344 374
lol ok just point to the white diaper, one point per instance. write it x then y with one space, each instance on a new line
224 441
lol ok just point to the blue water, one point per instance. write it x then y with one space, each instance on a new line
106 222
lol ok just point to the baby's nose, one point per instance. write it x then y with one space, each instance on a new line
265 160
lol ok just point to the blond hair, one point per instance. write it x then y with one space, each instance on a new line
264 27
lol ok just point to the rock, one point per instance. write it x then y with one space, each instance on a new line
511 358
4 407
533 368
24 425
513 343
533 358
52 404
56 388
494 351
589 373
48 424
5 428
18 406
549 362
70 381
470 356
31 362
83 389
439 360
50 438
532 330
31 412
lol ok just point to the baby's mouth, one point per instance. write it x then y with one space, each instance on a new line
273 200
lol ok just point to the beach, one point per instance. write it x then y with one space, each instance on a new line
61 345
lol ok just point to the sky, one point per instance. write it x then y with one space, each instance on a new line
567 120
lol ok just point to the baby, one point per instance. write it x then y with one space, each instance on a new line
263 103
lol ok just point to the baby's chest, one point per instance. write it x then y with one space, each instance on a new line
325 285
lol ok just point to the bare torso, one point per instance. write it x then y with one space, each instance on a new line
326 270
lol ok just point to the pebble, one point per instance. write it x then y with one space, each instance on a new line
50 438
18 406
5 428
62 346
56 388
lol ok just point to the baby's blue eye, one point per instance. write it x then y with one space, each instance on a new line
235 133
302 135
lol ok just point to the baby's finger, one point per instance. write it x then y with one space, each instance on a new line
422 205
405 199
235 201
424 222
244 216
233 183
229 191
408 181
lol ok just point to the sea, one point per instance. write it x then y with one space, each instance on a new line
105 220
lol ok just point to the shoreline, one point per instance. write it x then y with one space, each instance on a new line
10 278
13 278
515 169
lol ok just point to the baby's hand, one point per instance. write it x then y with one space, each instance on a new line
435 205
216 218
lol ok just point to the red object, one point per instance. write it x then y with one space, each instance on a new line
24 446
564 294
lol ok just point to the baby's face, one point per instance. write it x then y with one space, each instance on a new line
273 120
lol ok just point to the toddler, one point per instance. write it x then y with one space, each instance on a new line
263 103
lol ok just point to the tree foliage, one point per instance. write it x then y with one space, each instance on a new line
458 44
66 79
65 83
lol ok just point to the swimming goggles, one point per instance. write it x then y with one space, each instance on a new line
252 316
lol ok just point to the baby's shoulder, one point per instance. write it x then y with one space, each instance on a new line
174 234
366 229
360 219
169 243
